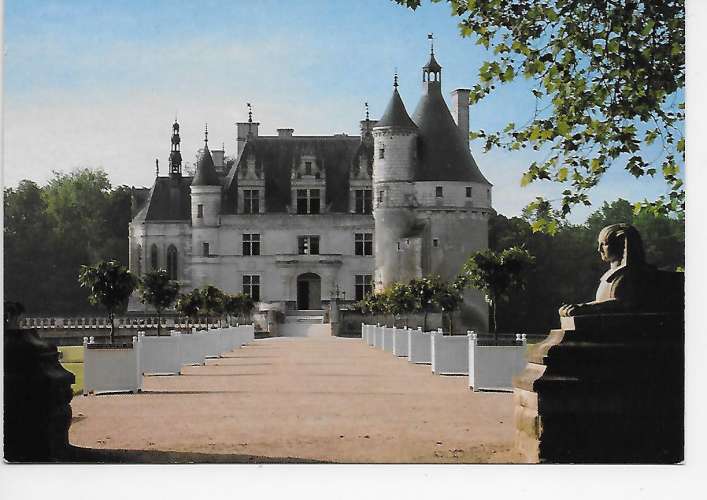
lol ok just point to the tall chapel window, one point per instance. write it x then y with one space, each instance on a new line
154 262
172 262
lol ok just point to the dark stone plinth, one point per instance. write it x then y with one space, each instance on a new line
604 389
37 399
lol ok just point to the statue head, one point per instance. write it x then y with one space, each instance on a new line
621 243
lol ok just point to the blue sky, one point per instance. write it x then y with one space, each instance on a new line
92 83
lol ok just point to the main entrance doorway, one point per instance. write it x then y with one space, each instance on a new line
309 291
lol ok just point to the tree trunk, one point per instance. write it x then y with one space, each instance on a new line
451 322
424 323
112 327
159 323
493 318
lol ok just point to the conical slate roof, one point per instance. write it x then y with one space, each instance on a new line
443 155
395 115
205 170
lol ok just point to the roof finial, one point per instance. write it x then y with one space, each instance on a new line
157 167
395 79
366 105
206 134
250 112
431 38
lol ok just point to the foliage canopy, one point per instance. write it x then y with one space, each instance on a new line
608 83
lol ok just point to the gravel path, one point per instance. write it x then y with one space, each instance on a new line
318 398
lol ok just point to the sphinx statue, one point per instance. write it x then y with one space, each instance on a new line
630 284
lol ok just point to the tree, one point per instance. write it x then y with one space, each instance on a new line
495 273
608 84
29 246
211 302
449 298
425 289
247 304
402 300
110 286
189 304
231 305
157 290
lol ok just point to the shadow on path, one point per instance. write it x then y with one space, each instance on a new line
98 456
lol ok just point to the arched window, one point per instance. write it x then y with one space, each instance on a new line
154 262
138 260
172 262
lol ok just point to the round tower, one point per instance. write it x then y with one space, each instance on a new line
395 155
205 213
454 198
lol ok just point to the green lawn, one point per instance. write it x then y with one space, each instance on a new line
72 360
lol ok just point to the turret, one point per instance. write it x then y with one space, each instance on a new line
395 155
205 190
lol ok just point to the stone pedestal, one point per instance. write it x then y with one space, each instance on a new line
37 399
604 389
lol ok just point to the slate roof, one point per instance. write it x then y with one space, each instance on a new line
443 155
168 200
395 114
432 64
205 171
277 155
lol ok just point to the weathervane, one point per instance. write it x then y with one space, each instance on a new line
431 38
157 167
250 112
206 134
395 79
366 105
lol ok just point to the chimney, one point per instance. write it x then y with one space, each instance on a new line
460 111
285 132
244 131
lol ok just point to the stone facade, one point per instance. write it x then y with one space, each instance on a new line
297 220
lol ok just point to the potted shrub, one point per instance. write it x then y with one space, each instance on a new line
491 364
157 290
110 367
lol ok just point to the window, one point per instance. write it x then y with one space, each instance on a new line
438 192
308 245
251 201
364 201
380 197
200 211
308 201
205 249
308 168
154 262
381 153
172 262
363 243
468 191
435 242
251 244
363 286
251 286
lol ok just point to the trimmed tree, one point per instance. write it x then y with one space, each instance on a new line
402 300
110 286
449 298
157 290
189 304
496 273
211 302
425 289
247 304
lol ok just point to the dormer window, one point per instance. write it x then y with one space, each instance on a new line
468 191
439 192
251 201
200 211
308 168
381 153
308 201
